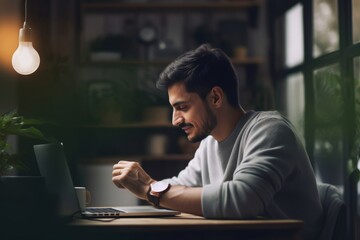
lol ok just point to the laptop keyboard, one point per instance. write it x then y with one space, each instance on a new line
104 211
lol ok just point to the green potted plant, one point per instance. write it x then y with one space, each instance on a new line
153 102
329 119
353 169
13 124
23 196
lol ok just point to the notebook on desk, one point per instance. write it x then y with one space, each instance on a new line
53 167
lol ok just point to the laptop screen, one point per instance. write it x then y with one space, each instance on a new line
54 168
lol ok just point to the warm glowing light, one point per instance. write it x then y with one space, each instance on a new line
9 37
25 59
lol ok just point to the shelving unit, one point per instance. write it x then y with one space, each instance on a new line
185 8
102 141
139 158
172 6
110 64
138 70
140 125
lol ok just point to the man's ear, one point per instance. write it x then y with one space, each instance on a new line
217 96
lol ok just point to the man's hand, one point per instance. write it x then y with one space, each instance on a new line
131 175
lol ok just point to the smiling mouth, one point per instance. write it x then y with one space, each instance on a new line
186 127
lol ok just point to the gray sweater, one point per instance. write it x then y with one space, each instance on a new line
261 169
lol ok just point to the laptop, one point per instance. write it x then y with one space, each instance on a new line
53 167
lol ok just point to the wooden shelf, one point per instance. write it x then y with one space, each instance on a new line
128 125
174 7
247 61
126 144
243 61
140 158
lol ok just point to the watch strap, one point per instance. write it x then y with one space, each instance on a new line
154 197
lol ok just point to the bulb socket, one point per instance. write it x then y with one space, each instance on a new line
25 33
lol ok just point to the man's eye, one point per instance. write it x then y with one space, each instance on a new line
181 107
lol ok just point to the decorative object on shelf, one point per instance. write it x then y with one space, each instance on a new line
149 97
112 47
157 144
25 59
156 115
103 103
148 36
232 35
240 53
165 48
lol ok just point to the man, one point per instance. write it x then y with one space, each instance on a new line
248 164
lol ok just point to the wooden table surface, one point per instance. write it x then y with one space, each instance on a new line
184 226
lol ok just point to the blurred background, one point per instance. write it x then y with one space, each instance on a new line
100 60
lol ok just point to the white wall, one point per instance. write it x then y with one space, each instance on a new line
97 179
10 23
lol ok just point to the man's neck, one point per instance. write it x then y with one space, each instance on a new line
227 120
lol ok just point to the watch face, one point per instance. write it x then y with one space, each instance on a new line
159 186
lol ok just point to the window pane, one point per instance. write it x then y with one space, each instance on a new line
329 114
294 36
357 96
326 27
357 107
295 101
356 20
279 43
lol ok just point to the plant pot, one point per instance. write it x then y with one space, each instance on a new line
23 202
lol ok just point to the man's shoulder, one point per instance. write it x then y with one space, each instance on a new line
272 118
269 115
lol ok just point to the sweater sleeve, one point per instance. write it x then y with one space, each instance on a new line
269 154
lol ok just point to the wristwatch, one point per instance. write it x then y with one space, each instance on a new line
156 190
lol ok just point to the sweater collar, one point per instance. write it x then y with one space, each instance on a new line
232 137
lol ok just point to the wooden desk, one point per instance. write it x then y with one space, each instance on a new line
183 227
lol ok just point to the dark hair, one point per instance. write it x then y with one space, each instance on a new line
201 70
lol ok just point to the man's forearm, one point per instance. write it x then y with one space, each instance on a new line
183 199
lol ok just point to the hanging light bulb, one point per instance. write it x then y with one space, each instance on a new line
25 59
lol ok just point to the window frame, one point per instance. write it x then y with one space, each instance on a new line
344 56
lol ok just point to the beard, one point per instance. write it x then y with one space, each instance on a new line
209 125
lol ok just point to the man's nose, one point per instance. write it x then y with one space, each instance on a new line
177 120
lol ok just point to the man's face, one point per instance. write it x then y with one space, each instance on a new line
191 113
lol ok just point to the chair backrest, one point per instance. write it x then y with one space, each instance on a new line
334 210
